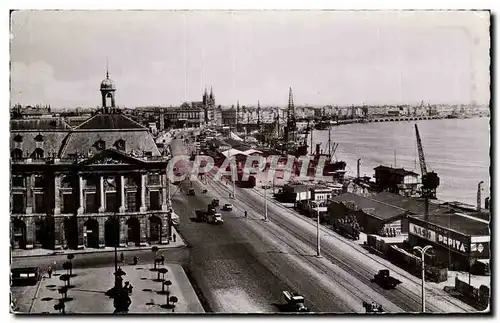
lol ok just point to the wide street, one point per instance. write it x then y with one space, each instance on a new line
244 264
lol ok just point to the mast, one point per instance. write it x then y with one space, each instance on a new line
329 142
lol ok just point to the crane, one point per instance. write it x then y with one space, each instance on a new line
430 180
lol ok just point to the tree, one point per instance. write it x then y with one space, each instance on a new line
70 257
167 283
63 291
60 307
66 279
155 250
174 300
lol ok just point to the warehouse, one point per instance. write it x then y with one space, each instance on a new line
373 216
457 239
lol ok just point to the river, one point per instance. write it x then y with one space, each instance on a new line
457 149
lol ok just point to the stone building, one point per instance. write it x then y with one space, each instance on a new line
98 184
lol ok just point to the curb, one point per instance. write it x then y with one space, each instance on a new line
76 252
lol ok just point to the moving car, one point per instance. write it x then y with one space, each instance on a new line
215 218
295 302
384 279
25 276
227 207
373 307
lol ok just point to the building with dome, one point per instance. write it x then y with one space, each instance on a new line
100 183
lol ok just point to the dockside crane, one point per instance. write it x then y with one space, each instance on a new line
430 180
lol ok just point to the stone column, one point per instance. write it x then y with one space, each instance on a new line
143 193
81 198
165 229
57 194
30 231
80 229
58 233
144 228
123 231
122 194
102 230
102 202
29 194
165 187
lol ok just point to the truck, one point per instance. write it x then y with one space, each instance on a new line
215 218
383 278
295 302
203 215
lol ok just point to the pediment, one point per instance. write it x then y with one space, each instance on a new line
111 157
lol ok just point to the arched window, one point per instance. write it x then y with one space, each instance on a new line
38 153
39 138
18 138
17 154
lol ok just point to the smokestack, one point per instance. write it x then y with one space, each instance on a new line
359 162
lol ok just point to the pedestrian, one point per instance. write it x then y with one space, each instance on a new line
49 271
130 288
174 236
136 260
162 260
122 258
246 214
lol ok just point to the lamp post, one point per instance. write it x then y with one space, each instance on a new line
422 253
265 187
318 242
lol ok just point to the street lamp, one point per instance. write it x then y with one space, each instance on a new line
318 242
265 187
422 253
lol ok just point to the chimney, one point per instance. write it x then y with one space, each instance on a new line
487 203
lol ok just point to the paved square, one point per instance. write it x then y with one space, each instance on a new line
90 286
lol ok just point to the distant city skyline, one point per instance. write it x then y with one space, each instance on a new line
327 57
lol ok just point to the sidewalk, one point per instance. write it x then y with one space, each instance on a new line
49 252
89 287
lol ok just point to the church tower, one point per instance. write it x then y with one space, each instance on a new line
108 89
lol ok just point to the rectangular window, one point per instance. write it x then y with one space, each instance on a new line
154 179
17 181
18 203
111 205
132 201
39 203
68 203
39 181
154 200
91 205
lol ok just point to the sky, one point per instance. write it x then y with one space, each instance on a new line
327 57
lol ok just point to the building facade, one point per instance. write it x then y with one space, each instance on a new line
102 183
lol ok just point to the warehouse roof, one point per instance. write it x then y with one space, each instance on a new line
459 223
372 207
411 204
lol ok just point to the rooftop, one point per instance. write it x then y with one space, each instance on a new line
109 122
49 124
377 209
411 204
398 171
456 222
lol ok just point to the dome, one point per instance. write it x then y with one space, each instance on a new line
108 84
